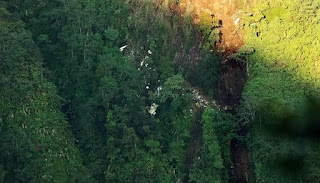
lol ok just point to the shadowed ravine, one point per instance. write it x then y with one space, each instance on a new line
195 141
231 84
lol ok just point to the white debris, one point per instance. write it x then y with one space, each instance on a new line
158 90
147 87
146 65
153 109
237 21
123 47
150 52
142 62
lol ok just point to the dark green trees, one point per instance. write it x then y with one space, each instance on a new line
36 145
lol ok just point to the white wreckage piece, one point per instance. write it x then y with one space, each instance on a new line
158 90
141 63
147 85
123 47
153 109
237 21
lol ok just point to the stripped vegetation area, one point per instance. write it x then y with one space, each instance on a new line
220 91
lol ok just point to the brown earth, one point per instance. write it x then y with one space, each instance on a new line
227 11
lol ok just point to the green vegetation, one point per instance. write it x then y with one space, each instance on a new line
208 27
208 73
35 145
74 107
283 71
210 166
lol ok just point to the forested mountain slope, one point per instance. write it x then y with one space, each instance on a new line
159 91
36 144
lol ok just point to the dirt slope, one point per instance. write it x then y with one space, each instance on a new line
227 11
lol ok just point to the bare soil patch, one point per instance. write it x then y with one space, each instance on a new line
226 11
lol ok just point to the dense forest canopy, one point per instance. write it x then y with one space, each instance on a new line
159 91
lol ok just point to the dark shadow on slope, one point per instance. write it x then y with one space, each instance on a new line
195 141
242 170
231 84
300 127
284 123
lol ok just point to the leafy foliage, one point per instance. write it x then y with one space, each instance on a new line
208 73
36 145
208 26
282 72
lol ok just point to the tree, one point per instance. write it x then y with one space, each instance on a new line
36 145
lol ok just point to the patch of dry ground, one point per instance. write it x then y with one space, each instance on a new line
229 14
